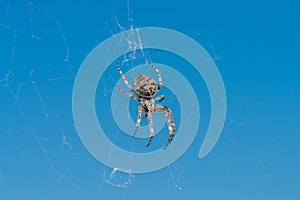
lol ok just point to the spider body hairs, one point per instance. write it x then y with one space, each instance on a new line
145 87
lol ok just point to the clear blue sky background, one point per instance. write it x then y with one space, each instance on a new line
256 46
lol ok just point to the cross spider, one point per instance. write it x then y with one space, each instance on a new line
145 88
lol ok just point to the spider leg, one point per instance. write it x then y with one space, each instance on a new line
126 93
125 80
159 76
170 121
169 141
138 121
159 98
171 126
151 128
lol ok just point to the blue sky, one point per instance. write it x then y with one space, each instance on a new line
255 45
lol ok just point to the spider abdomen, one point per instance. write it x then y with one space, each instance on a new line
145 85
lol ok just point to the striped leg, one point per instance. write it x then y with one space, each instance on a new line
159 76
126 93
159 98
151 128
170 121
171 126
125 80
138 121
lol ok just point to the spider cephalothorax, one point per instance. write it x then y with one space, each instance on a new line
145 88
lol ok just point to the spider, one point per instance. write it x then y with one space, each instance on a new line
145 88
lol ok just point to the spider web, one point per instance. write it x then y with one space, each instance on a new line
41 156
136 55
